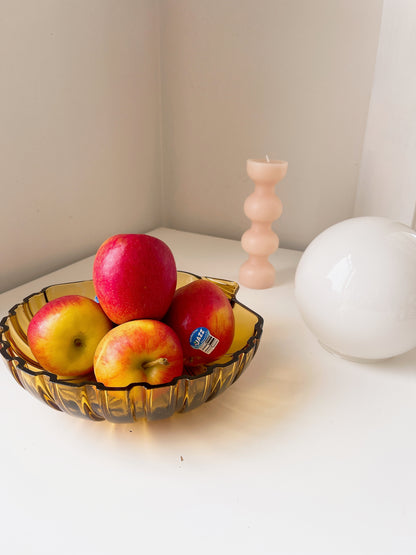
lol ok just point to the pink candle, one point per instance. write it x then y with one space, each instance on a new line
262 207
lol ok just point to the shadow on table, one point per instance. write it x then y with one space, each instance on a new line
404 364
261 399
284 275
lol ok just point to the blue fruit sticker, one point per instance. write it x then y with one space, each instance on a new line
201 339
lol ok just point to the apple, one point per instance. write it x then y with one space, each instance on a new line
138 351
65 332
202 317
134 277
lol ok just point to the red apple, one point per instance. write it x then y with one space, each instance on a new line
138 351
202 316
65 332
134 277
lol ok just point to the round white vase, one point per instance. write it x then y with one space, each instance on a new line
355 287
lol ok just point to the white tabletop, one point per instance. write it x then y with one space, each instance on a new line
305 454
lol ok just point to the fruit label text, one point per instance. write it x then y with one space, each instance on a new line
201 339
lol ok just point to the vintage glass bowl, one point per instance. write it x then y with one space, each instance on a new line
89 399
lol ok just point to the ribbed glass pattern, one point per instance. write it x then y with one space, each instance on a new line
89 399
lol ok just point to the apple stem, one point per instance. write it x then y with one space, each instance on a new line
162 361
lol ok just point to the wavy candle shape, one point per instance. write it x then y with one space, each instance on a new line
262 207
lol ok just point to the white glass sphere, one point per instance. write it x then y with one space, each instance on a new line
355 287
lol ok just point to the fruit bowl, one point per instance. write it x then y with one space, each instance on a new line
87 398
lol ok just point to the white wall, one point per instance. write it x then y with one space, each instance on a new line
79 129
245 78
92 89
387 180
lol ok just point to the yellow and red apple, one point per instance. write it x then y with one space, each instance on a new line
134 277
138 351
202 317
65 332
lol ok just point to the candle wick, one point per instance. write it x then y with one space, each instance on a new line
267 158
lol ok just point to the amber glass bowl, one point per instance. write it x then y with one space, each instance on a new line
90 399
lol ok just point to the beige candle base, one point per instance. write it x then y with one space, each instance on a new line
257 273
262 207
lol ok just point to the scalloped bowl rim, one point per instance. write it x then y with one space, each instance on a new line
4 345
